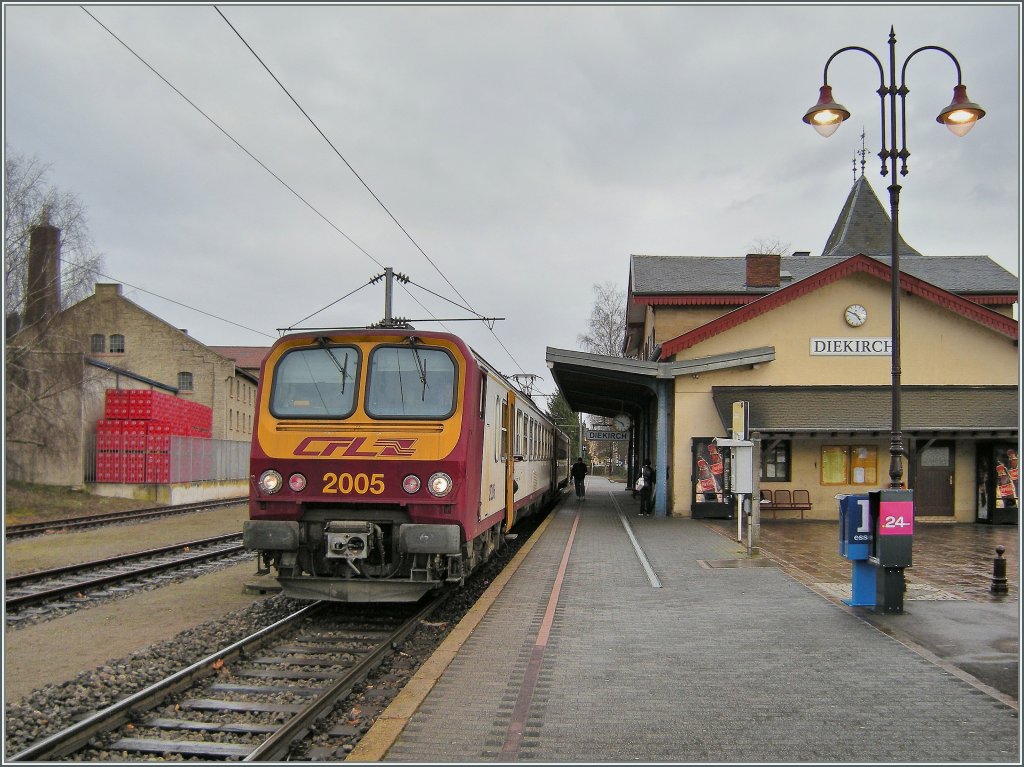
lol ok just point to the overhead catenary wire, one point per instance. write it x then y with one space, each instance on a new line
339 300
231 138
339 154
367 186
249 154
186 306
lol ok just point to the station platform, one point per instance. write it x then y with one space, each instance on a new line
621 638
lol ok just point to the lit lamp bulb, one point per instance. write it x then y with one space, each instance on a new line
826 116
961 115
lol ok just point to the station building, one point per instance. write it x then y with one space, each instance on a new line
805 340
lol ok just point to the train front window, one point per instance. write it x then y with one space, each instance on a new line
410 382
316 383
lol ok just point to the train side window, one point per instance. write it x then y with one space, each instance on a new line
497 429
504 430
483 397
519 432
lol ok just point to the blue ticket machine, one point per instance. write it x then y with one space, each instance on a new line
855 545
892 537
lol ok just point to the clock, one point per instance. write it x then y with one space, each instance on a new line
623 422
856 315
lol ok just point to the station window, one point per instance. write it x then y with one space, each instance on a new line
849 465
117 344
97 343
775 461
184 381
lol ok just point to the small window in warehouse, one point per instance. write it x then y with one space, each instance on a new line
184 381
97 343
117 344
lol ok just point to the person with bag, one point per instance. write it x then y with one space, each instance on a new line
579 471
645 484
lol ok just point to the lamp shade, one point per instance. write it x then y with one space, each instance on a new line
826 116
961 115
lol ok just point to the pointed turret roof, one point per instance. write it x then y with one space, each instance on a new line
863 227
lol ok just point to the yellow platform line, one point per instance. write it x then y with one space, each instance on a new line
374 744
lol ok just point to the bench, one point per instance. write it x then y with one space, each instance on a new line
784 500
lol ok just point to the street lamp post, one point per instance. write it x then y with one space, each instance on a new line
960 116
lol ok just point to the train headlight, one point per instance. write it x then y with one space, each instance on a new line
411 484
270 481
439 484
297 482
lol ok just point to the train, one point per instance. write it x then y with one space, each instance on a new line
388 462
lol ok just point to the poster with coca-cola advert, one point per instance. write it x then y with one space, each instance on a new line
998 484
710 498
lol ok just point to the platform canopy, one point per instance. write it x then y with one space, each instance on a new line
608 386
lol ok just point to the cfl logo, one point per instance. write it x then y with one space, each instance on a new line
354 447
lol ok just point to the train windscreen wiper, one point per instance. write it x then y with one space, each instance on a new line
421 366
342 368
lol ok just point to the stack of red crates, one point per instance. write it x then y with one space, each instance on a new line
133 439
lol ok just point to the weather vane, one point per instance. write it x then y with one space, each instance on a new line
863 150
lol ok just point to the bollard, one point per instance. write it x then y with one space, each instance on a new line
999 573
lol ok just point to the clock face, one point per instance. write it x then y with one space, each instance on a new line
856 315
623 422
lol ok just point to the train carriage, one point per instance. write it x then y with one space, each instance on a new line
388 462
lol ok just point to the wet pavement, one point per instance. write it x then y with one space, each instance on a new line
950 561
950 614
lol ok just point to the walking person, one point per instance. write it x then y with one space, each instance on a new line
647 474
579 471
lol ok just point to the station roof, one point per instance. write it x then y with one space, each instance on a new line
607 386
681 275
982 411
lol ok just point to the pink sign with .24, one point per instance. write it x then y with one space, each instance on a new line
896 518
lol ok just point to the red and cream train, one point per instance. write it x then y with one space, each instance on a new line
388 462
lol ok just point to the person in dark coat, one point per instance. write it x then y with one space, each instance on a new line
579 471
647 491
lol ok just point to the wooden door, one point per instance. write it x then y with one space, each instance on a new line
933 480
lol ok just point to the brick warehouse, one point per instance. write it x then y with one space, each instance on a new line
60 365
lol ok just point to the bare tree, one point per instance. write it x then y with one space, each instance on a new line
770 247
605 335
30 200
562 414
44 374
607 325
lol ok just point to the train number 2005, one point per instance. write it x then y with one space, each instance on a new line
360 484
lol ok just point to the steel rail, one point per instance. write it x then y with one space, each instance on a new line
15 602
276 747
35 528
17 580
72 738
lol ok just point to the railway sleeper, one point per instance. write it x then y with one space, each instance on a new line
184 747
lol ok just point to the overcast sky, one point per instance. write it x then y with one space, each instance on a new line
528 150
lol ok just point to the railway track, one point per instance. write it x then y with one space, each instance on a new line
42 586
254 700
12 532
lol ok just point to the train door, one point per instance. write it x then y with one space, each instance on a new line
508 427
491 468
